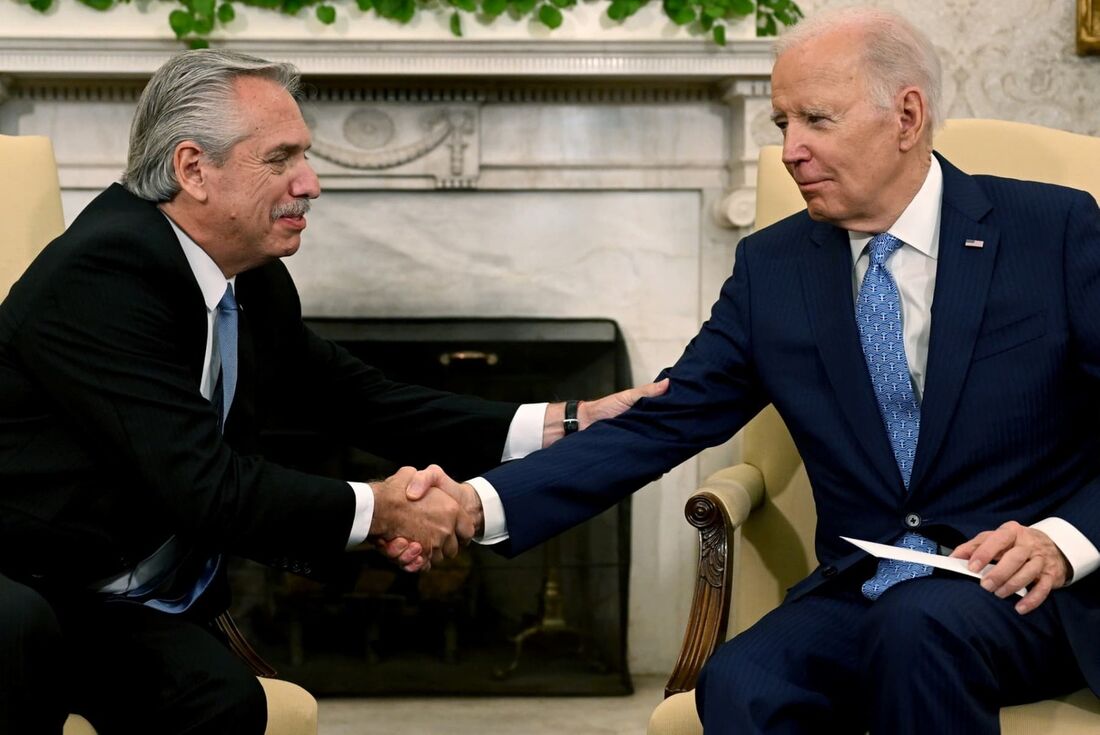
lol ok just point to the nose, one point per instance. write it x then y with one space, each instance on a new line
306 184
794 146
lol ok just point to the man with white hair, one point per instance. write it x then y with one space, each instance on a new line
930 339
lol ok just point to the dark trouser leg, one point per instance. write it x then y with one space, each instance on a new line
795 671
140 671
942 655
933 655
32 687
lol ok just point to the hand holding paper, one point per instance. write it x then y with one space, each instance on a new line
1023 556
950 564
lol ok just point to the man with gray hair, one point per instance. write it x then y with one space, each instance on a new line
930 339
139 356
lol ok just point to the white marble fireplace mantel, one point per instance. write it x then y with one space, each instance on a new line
605 172
692 60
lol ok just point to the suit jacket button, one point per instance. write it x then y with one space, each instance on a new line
828 571
913 520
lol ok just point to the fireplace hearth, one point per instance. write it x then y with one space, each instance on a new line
551 621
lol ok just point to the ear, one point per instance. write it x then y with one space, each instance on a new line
190 166
912 112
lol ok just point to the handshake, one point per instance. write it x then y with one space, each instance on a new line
423 516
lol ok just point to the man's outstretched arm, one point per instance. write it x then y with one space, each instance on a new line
411 557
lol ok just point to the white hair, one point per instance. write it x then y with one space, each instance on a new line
191 97
896 54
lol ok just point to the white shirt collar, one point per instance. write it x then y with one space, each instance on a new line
209 276
919 225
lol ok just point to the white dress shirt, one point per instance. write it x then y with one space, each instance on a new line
913 267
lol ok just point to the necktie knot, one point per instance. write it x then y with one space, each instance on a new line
881 247
229 301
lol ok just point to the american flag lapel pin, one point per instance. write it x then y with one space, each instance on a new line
974 243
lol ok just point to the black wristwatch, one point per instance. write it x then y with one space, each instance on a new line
571 423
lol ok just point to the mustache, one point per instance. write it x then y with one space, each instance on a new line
296 208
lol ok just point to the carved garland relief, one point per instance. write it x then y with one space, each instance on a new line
376 139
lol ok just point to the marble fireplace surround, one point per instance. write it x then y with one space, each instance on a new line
535 178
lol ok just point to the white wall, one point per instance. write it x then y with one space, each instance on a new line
1007 59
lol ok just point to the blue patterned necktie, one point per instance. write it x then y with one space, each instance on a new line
878 316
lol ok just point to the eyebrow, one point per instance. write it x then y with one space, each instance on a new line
804 112
288 149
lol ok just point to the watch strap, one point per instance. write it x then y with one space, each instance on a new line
571 423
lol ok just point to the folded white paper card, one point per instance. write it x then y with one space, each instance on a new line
885 551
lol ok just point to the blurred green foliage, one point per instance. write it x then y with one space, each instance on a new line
193 20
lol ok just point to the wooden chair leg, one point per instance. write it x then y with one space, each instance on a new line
241 647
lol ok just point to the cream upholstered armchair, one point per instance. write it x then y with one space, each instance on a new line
29 184
756 519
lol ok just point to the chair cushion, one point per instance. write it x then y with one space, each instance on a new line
1076 714
77 725
674 716
291 710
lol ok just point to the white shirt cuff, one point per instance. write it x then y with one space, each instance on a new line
492 510
525 432
364 513
1082 555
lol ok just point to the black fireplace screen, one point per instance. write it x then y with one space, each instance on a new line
551 621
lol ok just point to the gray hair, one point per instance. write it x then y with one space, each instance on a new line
192 97
897 55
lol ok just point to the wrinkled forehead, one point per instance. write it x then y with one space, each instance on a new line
821 87
833 55
268 116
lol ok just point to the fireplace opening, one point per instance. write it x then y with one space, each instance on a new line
551 621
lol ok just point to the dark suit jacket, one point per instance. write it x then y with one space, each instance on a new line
107 446
1010 426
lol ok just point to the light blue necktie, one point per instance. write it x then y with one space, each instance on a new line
878 316
222 399
226 328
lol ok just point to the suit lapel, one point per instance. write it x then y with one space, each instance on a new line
827 285
963 275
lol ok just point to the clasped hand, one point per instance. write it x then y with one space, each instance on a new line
422 517
452 512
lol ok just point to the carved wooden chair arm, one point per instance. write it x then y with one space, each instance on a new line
717 509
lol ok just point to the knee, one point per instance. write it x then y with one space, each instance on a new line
241 703
29 630
32 691
729 662
734 672
912 621
723 684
